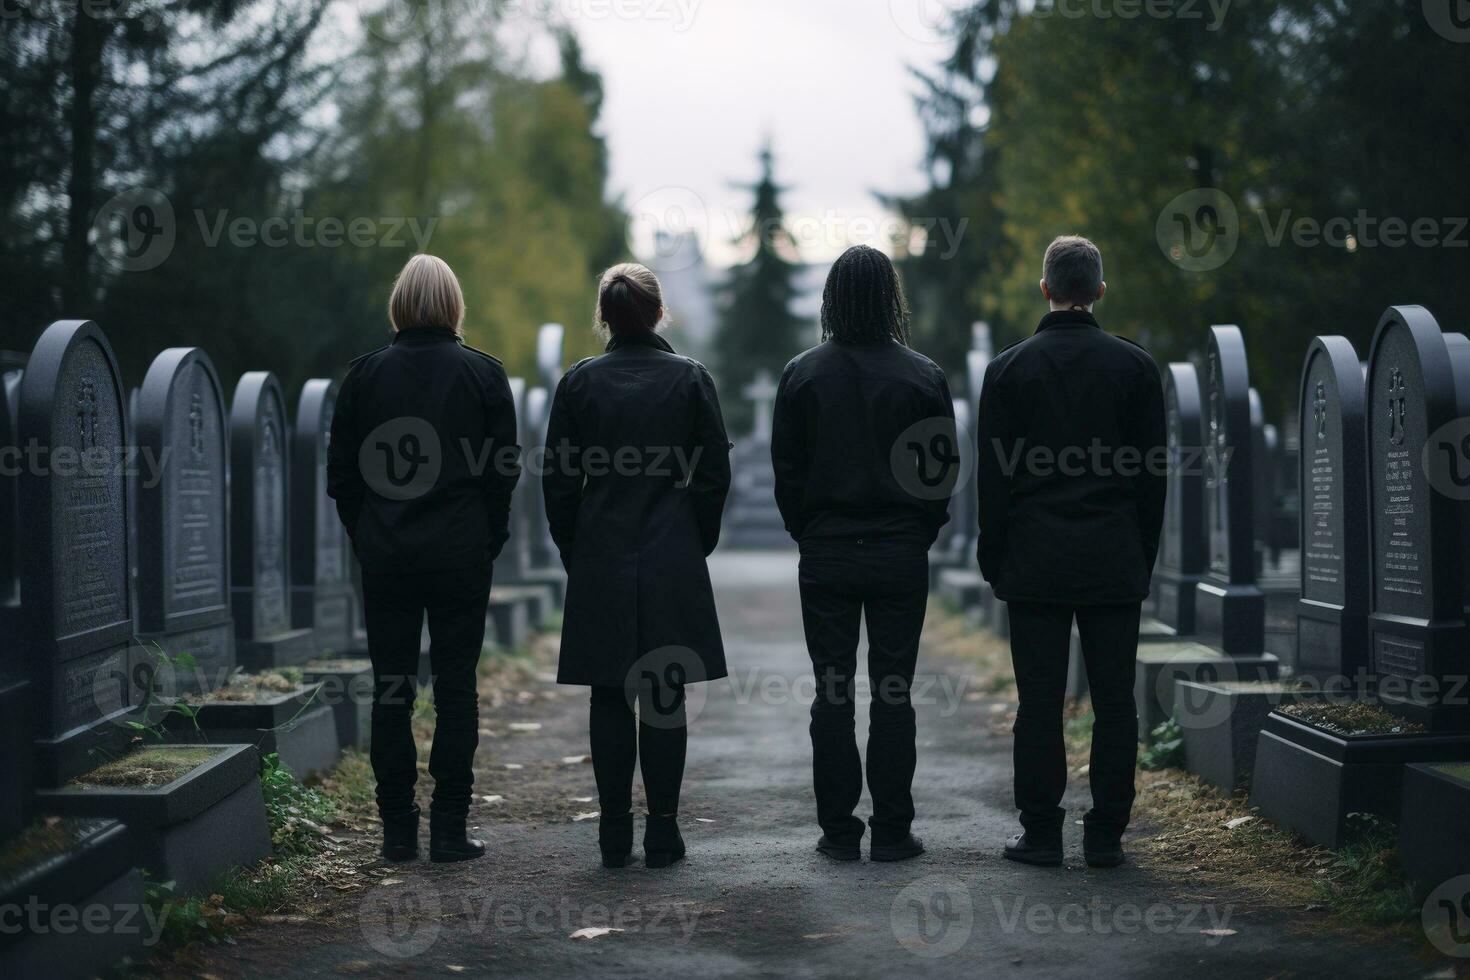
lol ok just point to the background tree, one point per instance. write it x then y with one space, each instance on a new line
757 330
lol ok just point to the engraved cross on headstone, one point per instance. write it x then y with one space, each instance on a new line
1319 409
87 413
1397 408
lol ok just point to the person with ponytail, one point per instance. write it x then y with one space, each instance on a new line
638 468
864 448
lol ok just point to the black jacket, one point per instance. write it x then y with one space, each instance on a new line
840 412
1071 466
423 455
637 469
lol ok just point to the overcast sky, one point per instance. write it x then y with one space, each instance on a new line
695 86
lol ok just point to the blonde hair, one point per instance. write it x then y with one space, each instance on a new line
426 294
629 300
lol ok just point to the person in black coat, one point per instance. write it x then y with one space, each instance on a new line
638 468
864 448
1072 472
422 463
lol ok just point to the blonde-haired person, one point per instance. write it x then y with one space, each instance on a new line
422 463
636 483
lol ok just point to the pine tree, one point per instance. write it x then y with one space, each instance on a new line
758 331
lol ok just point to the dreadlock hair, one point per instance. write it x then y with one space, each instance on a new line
863 301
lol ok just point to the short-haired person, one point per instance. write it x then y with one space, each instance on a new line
864 527
638 467
426 541
1071 474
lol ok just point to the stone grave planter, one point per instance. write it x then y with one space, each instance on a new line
1308 780
509 619
1161 665
347 688
190 830
1434 849
89 863
295 725
1221 722
961 588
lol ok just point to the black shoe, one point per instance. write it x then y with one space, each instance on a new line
662 842
1108 854
909 847
448 841
615 837
1047 855
839 852
401 836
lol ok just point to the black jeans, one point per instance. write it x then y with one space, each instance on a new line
657 739
841 582
394 607
1041 636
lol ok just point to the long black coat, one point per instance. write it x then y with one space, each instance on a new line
431 490
638 467
1061 521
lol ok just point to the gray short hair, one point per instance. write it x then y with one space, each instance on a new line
1073 271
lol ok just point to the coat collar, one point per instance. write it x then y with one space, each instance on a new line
1067 318
649 339
425 335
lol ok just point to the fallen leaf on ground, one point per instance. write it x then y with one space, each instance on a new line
525 726
581 799
1237 822
454 968
703 820
823 935
593 815
493 799
514 765
1218 932
594 932
575 760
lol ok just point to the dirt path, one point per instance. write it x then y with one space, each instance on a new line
754 899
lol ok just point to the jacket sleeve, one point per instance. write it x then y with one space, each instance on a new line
504 472
993 448
789 456
561 485
1151 484
345 483
939 509
709 483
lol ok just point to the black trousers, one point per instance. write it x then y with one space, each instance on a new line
394 607
657 738
1041 636
841 583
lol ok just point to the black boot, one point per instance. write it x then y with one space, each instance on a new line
615 837
1045 853
401 835
448 841
662 842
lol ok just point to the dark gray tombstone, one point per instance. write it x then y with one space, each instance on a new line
514 560
260 556
976 361
76 619
1230 609
322 597
183 560
960 533
1261 475
1416 621
10 466
1332 616
1182 550
16 732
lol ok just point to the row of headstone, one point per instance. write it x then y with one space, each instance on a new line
752 520
1385 537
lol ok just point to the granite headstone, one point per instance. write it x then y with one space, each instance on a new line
322 597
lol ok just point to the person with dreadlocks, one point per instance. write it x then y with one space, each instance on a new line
855 421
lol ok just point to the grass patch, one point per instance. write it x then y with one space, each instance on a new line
147 767
1350 718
